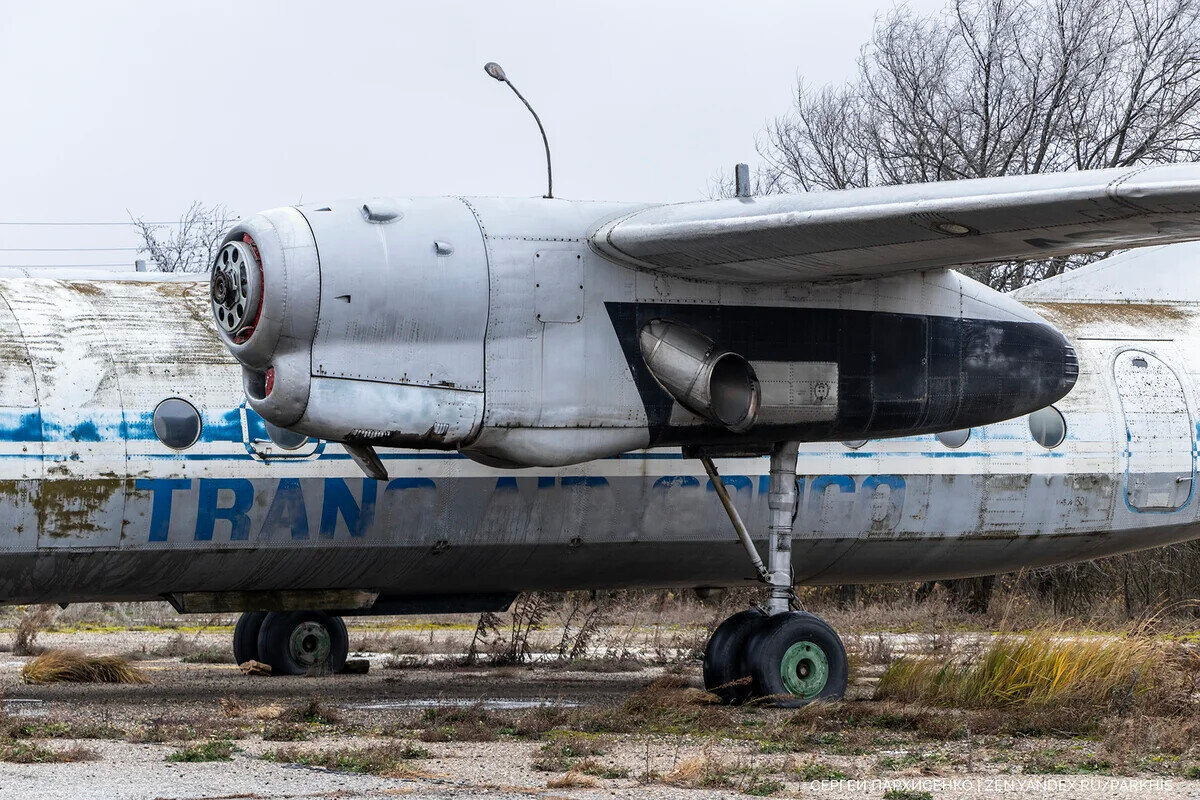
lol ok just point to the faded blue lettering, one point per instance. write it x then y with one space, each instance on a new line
735 482
340 500
287 512
208 509
844 484
589 481
409 483
161 490
672 481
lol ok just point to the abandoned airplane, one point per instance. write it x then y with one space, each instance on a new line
432 405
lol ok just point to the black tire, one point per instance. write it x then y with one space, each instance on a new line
725 672
292 642
805 647
245 636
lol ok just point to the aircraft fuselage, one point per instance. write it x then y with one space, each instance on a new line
97 508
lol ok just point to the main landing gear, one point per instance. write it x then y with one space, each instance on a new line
292 642
784 657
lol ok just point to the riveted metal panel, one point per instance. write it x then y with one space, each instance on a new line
394 307
81 502
22 449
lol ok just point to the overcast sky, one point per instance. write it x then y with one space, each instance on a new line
144 107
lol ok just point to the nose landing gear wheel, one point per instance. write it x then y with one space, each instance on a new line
725 672
298 642
796 658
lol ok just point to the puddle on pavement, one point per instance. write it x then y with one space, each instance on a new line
493 704
23 707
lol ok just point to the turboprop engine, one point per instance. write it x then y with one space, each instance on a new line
354 323
507 330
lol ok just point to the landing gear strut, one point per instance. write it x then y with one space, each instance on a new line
292 642
788 658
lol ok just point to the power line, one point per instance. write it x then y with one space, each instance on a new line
76 224
60 266
69 249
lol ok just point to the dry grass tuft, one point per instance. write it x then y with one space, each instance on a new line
19 752
314 712
460 724
564 753
381 759
704 772
573 779
1041 668
267 713
33 623
692 771
215 750
667 705
71 666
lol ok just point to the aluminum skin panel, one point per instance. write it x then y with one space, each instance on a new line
393 308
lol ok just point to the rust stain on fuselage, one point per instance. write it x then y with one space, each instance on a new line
68 507
1134 315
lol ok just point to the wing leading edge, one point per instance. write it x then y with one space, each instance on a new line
864 233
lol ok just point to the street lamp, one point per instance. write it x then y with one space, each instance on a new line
496 71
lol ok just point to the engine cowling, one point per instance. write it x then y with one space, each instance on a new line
359 322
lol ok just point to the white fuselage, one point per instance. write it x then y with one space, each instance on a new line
97 508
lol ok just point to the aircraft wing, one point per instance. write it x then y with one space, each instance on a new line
861 233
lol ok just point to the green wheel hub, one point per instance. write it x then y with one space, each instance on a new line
310 644
804 669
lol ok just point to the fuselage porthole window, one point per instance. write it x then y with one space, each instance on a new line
284 438
1048 427
954 439
177 423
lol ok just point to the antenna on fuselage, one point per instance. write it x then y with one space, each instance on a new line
497 72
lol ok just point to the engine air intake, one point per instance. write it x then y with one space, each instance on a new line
236 289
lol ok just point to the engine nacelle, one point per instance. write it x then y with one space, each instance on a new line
355 322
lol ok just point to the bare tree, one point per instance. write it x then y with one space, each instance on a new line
190 245
998 87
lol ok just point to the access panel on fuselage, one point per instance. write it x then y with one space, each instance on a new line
1159 455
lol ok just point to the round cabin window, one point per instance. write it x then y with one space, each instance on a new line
956 438
176 423
285 439
1048 427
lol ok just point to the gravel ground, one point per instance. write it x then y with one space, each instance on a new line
188 696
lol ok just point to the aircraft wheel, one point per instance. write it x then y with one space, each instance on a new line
725 671
245 636
297 642
796 658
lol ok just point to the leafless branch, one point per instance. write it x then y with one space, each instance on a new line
190 245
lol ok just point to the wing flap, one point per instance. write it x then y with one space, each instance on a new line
861 233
